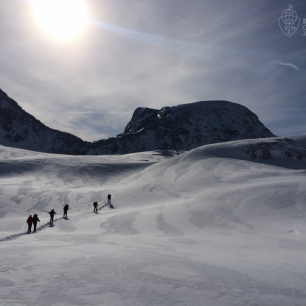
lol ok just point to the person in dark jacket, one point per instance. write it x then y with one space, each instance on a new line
109 201
30 221
95 204
52 213
35 219
66 207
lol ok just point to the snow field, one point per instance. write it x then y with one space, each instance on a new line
202 228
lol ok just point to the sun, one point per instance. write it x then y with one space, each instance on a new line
63 19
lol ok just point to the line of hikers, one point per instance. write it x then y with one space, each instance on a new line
109 203
33 220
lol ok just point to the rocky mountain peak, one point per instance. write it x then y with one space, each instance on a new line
187 126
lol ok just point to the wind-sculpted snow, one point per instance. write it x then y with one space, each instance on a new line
44 181
212 226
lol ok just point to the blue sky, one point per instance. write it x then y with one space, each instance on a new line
155 53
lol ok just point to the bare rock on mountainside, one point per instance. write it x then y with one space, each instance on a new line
183 127
283 146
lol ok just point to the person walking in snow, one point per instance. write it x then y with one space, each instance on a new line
35 219
66 207
109 201
30 221
52 213
95 204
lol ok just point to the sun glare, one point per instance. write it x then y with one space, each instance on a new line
62 19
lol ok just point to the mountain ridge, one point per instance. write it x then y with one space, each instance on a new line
181 128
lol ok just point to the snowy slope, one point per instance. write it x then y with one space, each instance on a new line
213 226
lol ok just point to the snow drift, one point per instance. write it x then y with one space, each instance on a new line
223 224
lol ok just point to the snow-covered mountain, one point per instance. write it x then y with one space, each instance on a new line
183 127
223 224
188 126
19 129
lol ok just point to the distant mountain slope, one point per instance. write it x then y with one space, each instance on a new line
19 129
183 127
286 152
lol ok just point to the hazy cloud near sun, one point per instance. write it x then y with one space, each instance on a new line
165 53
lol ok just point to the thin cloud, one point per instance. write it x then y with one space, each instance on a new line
290 65
187 23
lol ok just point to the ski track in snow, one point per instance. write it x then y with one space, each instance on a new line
42 227
202 228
